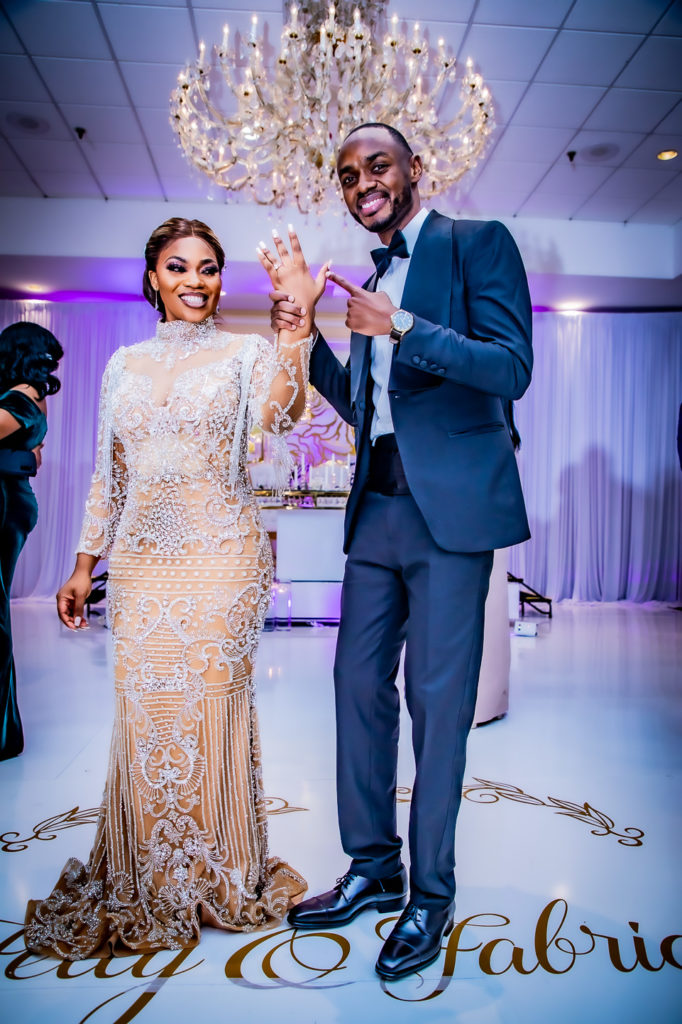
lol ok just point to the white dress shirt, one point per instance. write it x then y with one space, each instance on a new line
393 283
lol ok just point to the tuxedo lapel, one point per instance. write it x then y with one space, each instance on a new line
360 353
428 287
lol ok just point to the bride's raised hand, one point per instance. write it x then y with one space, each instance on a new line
290 273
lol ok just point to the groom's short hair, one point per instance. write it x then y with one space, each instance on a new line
393 132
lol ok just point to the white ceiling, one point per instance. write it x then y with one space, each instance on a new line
601 77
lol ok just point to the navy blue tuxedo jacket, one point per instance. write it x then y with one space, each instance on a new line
451 379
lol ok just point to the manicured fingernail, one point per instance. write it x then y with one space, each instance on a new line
290 298
77 621
303 311
291 229
275 233
302 323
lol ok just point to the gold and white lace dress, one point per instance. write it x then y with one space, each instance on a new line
182 831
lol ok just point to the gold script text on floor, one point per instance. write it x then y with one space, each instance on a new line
568 842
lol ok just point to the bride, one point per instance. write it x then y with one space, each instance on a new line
182 831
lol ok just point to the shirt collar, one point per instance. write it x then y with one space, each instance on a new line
412 229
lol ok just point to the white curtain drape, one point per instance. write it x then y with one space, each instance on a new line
599 459
89 332
599 465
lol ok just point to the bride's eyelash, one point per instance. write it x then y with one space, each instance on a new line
179 268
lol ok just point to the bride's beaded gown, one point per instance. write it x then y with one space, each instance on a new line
182 832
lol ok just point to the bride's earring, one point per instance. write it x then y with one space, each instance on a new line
156 300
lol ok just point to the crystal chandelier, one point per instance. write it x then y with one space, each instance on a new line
271 132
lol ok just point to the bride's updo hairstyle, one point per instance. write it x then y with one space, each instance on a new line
170 231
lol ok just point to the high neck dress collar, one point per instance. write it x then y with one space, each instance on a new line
179 339
185 332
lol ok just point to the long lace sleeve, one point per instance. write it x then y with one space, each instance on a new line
279 380
109 483
278 394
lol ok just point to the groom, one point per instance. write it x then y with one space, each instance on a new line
440 344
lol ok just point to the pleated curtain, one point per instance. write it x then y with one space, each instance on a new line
598 462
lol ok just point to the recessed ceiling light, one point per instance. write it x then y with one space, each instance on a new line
666 154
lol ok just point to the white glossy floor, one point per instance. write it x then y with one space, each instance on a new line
568 842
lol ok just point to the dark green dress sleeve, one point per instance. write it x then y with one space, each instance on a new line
32 422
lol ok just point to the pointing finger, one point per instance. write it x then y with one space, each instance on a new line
352 289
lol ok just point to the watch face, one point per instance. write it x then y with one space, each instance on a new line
402 320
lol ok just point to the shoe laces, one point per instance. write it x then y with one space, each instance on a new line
344 881
413 913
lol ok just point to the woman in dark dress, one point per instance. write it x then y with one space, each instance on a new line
28 355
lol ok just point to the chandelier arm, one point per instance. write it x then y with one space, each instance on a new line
347 77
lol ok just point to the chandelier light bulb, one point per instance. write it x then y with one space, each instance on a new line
274 139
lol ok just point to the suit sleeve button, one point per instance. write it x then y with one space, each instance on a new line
415 360
423 363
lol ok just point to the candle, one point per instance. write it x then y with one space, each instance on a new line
226 31
254 26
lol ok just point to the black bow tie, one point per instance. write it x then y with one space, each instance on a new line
382 257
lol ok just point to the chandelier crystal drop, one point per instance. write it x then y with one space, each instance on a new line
270 128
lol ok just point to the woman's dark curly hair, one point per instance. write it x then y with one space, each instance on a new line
170 231
29 354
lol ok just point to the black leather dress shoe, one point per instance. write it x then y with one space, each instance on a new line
350 896
415 941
